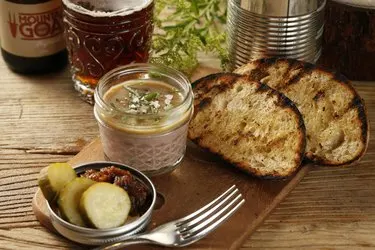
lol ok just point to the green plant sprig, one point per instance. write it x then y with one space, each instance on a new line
184 28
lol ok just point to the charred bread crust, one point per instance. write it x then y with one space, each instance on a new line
209 86
224 81
258 70
209 78
218 82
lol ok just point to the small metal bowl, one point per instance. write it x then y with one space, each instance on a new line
91 236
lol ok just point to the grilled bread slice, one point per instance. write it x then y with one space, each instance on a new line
248 124
334 114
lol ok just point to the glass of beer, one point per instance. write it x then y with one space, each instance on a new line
102 35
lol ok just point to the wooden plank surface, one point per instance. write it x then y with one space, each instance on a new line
199 179
332 208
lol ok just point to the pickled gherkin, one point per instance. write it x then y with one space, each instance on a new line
53 178
105 205
69 200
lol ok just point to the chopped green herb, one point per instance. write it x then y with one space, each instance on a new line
151 96
131 90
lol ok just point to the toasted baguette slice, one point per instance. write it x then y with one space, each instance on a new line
334 114
248 124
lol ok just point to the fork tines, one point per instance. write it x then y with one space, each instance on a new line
200 223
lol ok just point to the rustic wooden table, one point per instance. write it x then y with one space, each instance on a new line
43 121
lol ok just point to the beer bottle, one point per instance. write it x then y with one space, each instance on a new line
31 34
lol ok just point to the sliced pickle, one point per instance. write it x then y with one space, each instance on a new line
54 178
105 205
69 199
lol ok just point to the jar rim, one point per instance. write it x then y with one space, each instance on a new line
117 13
70 18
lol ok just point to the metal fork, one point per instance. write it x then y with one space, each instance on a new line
191 228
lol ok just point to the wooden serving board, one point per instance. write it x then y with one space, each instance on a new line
199 179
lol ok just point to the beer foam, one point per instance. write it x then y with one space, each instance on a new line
107 8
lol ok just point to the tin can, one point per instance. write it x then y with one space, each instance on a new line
274 28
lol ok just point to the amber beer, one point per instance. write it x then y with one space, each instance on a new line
31 34
102 35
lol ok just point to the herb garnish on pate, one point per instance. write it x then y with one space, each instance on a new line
146 98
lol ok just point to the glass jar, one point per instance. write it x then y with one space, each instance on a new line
102 35
152 143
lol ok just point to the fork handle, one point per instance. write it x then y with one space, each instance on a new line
120 245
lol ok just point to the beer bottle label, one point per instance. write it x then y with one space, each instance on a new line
31 30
